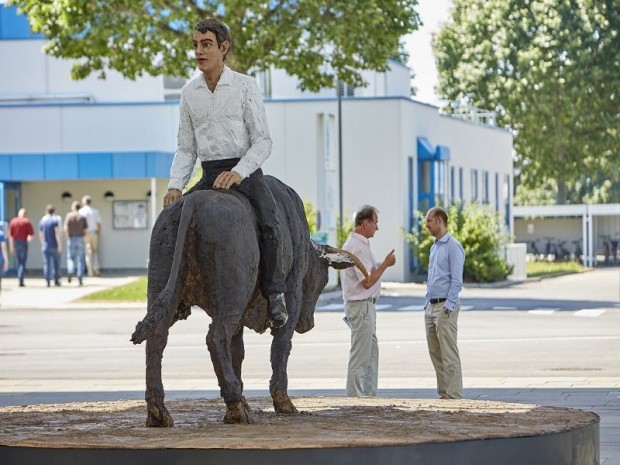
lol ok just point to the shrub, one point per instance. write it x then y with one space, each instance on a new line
476 228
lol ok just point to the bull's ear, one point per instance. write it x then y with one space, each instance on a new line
338 259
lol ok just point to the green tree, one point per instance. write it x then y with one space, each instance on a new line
476 227
316 41
343 233
310 212
550 69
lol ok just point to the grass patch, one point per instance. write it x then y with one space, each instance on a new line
538 269
132 292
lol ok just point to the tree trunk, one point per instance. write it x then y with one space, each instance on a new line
562 193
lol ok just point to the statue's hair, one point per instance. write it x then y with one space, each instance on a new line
222 34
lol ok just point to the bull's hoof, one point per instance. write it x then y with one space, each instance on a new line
238 413
282 403
159 417
285 407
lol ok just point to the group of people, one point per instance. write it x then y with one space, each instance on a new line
82 228
441 312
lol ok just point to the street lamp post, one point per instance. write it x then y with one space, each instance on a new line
340 193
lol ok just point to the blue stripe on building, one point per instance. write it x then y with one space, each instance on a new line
84 165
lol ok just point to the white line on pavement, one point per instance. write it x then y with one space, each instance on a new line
589 313
543 311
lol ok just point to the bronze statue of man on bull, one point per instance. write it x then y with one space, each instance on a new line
236 244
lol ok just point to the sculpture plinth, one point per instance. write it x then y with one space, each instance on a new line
327 430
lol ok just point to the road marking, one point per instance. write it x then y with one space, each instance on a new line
466 307
541 311
504 308
341 307
589 313
331 307
411 307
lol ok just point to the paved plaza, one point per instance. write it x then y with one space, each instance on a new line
552 342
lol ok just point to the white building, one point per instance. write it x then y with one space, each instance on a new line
118 137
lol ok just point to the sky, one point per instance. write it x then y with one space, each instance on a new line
433 13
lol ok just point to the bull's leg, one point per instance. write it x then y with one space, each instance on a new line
157 413
238 354
280 351
237 351
226 358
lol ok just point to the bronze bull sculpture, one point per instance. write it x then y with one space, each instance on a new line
204 252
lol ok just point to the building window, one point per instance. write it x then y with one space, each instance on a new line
485 187
452 184
345 90
474 185
440 175
174 82
507 201
461 196
497 192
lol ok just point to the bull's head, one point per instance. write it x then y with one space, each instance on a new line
320 258
340 259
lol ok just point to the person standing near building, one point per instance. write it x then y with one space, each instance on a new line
441 313
20 233
4 256
360 294
223 123
51 245
93 218
76 229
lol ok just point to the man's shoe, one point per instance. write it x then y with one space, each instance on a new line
277 311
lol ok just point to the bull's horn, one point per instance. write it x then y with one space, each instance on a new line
360 266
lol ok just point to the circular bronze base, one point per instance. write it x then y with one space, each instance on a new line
327 430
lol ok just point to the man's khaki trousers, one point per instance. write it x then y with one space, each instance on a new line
363 372
441 335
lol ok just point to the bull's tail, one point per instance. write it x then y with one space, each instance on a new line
168 297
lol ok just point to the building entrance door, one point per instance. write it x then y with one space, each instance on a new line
10 200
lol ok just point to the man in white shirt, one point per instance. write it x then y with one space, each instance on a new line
93 218
360 295
223 123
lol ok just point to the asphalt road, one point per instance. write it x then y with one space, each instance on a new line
573 332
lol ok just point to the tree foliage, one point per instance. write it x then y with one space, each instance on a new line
551 71
476 228
343 233
317 41
310 212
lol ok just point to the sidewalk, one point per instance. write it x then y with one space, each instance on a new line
36 294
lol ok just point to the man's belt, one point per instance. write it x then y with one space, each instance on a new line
437 301
369 299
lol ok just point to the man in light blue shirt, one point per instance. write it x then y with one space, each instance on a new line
445 281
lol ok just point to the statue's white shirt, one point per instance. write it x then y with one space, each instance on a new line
229 122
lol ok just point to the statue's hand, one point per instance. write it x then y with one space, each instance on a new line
171 196
227 179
